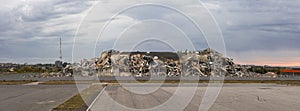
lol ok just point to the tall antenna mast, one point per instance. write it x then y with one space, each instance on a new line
60 50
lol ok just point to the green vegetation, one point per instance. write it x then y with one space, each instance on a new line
62 82
32 69
77 101
282 82
291 82
263 70
73 103
28 68
15 82
57 82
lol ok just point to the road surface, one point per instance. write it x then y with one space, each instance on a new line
34 97
233 97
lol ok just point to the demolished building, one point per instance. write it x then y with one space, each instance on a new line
186 63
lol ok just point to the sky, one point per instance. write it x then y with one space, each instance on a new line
261 32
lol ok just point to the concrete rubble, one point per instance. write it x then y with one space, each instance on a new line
139 64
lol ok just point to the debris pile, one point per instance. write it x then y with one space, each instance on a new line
186 63
84 68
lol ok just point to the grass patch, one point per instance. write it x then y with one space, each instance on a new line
16 82
66 82
291 82
77 101
16 73
282 82
73 103
57 82
62 82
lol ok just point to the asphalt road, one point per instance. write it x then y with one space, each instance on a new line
34 97
232 97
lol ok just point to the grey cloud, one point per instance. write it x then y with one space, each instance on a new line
265 25
259 25
44 10
31 29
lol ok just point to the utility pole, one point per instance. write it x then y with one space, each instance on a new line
60 56
60 50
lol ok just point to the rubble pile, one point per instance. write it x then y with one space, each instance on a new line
187 63
84 67
139 64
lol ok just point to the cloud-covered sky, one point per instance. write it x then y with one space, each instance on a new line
254 31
